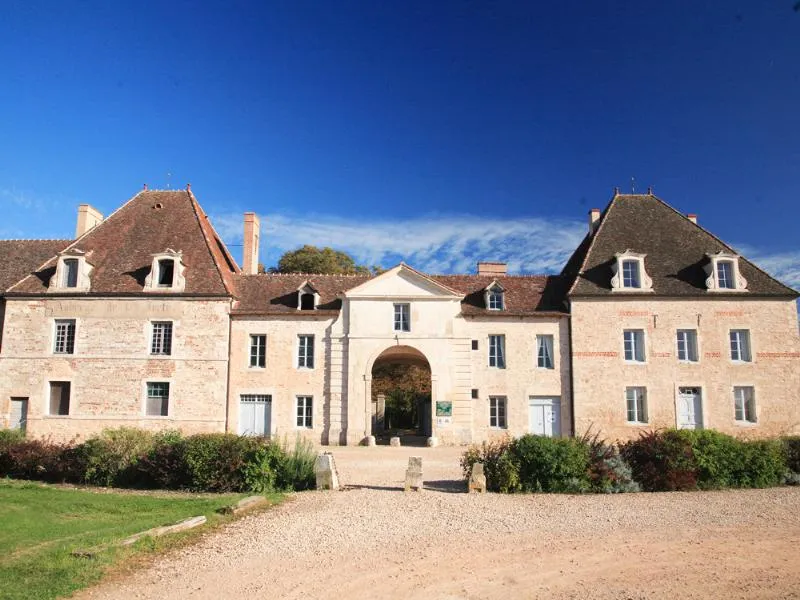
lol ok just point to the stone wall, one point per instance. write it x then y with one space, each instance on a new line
112 363
601 374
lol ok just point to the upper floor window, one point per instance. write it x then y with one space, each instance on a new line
495 297
72 272
636 400
744 404
544 351
166 272
64 339
629 273
305 352
161 338
402 317
687 345
307 297
497 351
740 345
634 345
258 351
723 273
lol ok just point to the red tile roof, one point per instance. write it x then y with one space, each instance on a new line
121 247
18 258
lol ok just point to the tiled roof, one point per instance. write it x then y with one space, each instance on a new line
18 258
675 247
275 293
121 247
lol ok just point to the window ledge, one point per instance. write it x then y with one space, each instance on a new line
746 424
637 423
157 417
57 416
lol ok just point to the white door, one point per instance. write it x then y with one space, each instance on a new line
690 408
19 413
255 414
545 416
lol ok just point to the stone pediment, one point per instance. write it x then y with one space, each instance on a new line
403 282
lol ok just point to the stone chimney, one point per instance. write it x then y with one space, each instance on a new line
594 218
492 268
88 218
252 228
692 217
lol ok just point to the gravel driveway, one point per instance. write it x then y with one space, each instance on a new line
374 541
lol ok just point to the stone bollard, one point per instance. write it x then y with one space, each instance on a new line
325 470
394 441
414 474
371 440
477 479
432 442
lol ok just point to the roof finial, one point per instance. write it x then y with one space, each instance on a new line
616 190
633 185
650 190
188 187
145 187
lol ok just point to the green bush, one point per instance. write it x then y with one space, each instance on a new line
112 457
661 461
297 469
262 466
551 464
215 462
502 474
164 465
792 447
716 457
762 464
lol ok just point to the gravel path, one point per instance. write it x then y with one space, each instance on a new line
373 540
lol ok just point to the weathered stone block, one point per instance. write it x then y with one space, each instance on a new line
432 442
477 479
371 440
414 474
394 441
325 471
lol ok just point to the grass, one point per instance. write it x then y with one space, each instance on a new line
40 525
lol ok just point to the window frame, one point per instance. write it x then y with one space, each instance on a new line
749 346
160 275
746 411
619 281
497 350
498 412
402 317
305 351
307 415
687 346
635 277
639 409
495 298
70 276
170 338
541 344
260 355
69 341
147 397
635 346
49 399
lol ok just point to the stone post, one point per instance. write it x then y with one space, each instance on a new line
477 480
380 412
325 470
414 474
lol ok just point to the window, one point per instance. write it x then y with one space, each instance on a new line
59 397
474 344
725 277
630 274
307 301
497 351
64 342
636 399
634 345
305 352
740 345
687 345
474 393
402 320
258 351
70 273
166 272
157 399
497 412
305 412
744 404
307 297
161 341
544 351
495 299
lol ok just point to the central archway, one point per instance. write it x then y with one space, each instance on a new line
401 395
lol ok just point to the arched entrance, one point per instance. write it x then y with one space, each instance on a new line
401 395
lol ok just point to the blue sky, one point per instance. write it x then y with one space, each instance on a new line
436 132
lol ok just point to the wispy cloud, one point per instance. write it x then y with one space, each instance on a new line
784 266
436 244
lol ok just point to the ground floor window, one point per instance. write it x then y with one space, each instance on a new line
744 404
636 398
497 412
60 392
305 412
157 404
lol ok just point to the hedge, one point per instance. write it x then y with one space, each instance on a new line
134 458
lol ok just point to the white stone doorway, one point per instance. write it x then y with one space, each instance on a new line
401 396
544 416
690 408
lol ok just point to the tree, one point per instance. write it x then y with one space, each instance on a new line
310 259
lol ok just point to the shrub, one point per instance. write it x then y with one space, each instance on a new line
297 469
551 464
661 461
111 458
262 466
762 464
502 474
215 462
164 466
792 447
42 460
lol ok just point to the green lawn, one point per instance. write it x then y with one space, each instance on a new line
40 525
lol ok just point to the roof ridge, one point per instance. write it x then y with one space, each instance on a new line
202 218
36 240
595 234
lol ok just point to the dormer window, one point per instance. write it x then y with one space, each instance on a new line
495 297
629 274
307 297
72 272
166 272
723 273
